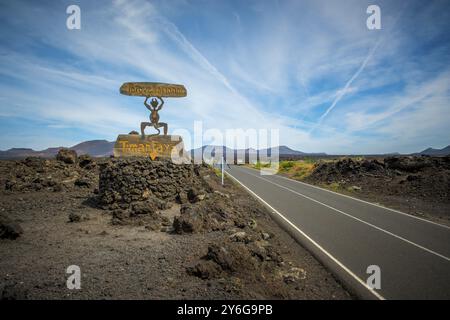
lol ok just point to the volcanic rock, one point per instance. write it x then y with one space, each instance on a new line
9 229
67 156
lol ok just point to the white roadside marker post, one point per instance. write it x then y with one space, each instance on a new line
222 169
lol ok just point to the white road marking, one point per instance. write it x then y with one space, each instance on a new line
329 255
360 220
360 200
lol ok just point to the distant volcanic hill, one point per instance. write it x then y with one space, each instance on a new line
286 151
104 148
95 148
435 152
217 152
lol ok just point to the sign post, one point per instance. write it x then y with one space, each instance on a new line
156 145
222 169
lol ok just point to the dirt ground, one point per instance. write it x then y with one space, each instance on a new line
54 220
418 185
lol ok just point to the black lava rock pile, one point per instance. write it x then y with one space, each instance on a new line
125 181
422 177
67 172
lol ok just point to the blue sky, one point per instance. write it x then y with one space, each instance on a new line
311 69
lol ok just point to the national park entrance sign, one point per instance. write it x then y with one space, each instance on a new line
153 89
153 145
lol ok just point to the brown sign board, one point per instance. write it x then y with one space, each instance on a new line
153 89
156 146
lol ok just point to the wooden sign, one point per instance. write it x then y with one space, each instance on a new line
153 89
132 145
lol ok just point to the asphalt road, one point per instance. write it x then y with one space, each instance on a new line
413 254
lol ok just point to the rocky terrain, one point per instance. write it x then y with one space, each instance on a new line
418 185
145 230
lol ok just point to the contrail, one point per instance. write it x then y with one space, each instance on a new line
343 91
172 30
361 68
